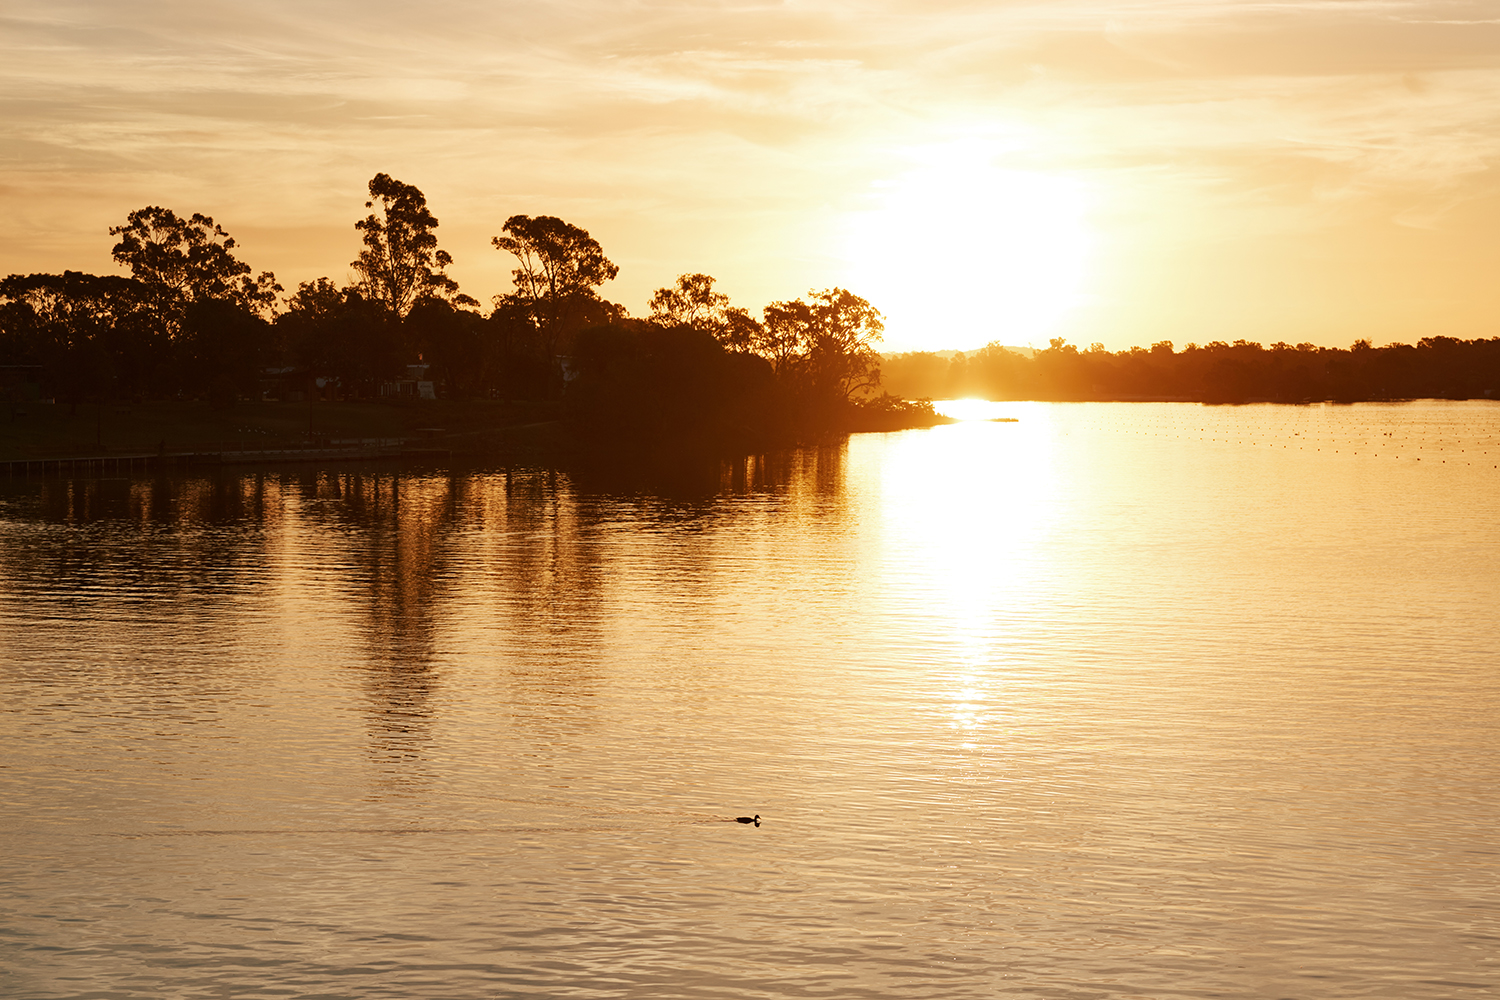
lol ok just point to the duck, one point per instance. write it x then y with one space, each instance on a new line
748 819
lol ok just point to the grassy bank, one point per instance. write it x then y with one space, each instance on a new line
470 429
42 430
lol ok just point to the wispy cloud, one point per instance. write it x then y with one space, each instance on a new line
728 134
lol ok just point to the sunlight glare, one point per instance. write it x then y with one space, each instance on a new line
982 562
958 252
974 409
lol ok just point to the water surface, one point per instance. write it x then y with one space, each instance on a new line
1117 700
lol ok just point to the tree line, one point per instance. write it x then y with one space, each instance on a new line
193 321
1216 372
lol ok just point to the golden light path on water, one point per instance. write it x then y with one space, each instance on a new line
994 505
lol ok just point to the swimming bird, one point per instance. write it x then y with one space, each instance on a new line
748 819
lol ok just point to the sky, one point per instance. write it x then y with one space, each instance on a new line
1103 171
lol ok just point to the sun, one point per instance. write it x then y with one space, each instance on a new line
958 251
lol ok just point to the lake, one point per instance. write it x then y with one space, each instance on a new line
1110 701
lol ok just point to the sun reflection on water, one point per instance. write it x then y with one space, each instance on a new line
967 509
977 409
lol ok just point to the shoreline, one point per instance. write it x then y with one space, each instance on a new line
103 439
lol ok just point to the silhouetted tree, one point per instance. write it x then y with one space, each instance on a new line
1060 370
742 332
842 359
1227 373
785 336
401 262
222 350
693 302
821 350
561 266
825 346
643 385
181 261
523 367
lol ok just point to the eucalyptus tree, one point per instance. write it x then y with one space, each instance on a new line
339 334
824 346
693 302
786 335
181 261
561 265
401 263
842 357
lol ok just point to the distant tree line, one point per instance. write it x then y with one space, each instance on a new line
192 322
1215 372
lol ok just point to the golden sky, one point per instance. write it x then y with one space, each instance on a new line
1121 172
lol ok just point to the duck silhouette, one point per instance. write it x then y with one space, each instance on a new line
748 819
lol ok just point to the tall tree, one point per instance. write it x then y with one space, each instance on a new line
401 263
561 266
842 357
181 261
786 334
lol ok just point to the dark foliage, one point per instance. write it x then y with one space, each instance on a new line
456 343
561 266
890 413
93 336
638 384
339 335
181 261
222 351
